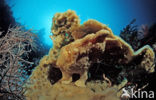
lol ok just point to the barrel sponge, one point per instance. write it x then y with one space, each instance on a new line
76 48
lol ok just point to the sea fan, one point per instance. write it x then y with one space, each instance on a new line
14 48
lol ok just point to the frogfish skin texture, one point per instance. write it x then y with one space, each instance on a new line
76 49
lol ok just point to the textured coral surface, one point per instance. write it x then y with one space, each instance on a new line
67 72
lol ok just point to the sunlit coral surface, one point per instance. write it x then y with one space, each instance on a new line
68 72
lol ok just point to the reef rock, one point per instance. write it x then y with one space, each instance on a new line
76 50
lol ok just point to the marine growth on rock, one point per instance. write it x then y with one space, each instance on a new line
87 62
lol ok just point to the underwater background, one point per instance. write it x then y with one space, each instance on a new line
27 28
37 14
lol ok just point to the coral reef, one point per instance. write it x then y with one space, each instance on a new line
138 36
86 62
130 35
15 47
